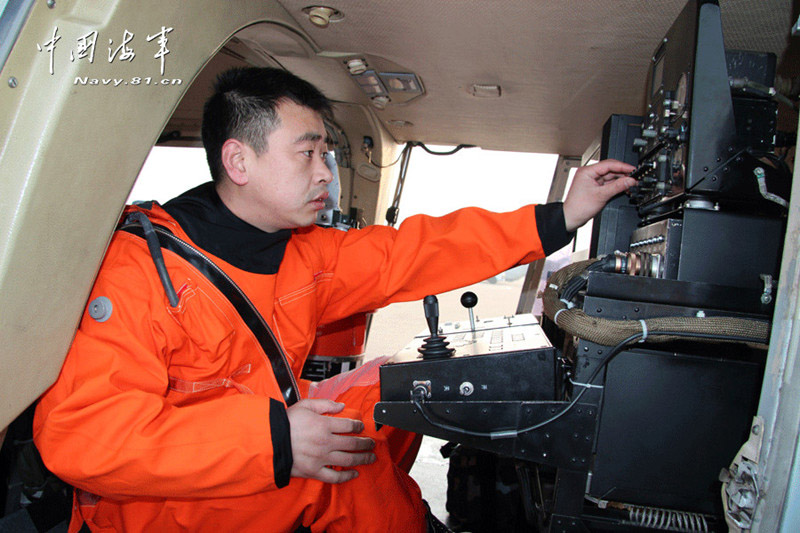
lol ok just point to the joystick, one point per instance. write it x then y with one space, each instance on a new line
434 347
469 299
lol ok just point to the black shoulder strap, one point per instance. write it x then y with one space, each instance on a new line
252 318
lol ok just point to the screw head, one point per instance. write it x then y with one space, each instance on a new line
12 82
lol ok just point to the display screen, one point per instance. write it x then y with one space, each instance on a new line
658 75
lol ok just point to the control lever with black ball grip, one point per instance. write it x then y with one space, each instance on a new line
469 300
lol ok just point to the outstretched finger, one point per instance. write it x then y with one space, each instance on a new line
608 166
605 178
612 188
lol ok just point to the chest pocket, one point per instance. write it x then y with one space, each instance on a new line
205 350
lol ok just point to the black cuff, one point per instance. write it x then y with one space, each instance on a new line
281 443
552 228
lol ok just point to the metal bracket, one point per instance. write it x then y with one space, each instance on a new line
424 386
740 481
766 296
565 442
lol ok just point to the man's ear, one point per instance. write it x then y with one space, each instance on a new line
233 159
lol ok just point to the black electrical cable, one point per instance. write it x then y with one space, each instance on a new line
154 246
412 144
573 287
433 152
616 350
393 163
578 283
443 425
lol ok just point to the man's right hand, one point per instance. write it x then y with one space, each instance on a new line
593 186
319 442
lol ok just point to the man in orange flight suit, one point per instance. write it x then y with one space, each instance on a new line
169 417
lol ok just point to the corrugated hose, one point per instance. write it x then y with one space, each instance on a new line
609 332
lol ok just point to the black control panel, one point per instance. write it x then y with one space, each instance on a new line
712 195
496 391
480 365
709 119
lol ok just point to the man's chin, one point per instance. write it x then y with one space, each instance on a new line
305 221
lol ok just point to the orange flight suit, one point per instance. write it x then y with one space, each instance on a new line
170 419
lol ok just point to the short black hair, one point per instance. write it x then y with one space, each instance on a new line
243 107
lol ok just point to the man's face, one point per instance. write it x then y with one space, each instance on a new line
287 183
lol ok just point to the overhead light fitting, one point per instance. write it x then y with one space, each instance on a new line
401 82
356 66
403 86
371 83
322 16
381 101
485 91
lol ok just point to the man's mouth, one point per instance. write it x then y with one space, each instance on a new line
318 202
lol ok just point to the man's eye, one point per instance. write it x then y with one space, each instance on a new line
308 153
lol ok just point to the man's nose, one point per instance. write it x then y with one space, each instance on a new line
323 173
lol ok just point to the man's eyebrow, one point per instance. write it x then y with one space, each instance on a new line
308 136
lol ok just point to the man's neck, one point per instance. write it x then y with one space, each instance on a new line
213 227
231 196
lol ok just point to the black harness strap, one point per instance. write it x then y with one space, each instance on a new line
252 318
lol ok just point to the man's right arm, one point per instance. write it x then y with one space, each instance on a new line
107 426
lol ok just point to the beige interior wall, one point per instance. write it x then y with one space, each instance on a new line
360 188
69 155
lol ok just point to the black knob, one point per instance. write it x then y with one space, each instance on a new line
469 299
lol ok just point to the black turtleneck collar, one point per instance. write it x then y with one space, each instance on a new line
214 228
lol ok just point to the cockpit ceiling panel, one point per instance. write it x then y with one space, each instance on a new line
563 66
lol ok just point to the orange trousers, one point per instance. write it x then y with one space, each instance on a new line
382 498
